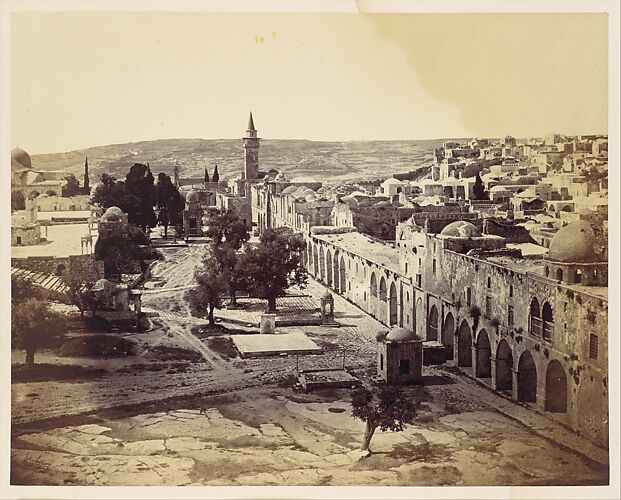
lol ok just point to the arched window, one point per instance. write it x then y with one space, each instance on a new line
535 318
578 276
548 321
559 274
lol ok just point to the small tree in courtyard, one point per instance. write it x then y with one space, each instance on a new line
33 324
386 407
207 295
274 266
228 233
72 188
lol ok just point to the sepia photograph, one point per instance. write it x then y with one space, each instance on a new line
305 244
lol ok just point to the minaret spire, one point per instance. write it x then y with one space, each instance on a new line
206 175
216 176
250 123
251 152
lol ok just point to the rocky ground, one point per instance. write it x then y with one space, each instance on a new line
164 418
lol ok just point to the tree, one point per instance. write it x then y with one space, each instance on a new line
169 202
72 188
33 323
113 193
478 190
225 226
387 408
139 185
18 202
79 294
119 254
274 265
207 295
228 233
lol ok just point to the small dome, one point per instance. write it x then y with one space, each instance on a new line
399 334
578 242
289 189
498 189
391 181
21 157
529 193
191 196
461 229
310 198
326 295
102 285
43 195
112 214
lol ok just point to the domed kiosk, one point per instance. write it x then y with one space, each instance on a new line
578 254
400 357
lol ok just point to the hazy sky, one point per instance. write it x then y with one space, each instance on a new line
87 79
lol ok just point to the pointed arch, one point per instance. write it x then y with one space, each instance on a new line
322 265
527 378
432 324
392 300
556 388
342 275
464 345
382 290
504 366
484 355
329 269
373 285
448 335
535 318
547 317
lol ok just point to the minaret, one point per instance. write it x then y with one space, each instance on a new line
216 176
176 173
251 147
206 176
86 185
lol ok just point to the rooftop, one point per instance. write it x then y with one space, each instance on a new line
365 247
63 240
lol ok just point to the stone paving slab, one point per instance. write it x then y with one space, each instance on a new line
271 344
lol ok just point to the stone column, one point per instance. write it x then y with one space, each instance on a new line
493 362
514 384
474 361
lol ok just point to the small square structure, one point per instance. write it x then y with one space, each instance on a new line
400 357
255 345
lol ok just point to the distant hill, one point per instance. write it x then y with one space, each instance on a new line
327 161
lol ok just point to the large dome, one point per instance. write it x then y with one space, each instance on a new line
461 229
398 334
578 242
21 157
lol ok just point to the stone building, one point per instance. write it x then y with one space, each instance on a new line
192 215
501 312
400 357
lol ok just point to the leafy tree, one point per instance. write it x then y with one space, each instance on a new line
225 226
274 265
386 407
207 295
169 202
113 193
228 233
478 190
22 289
18 202
33 323
72 188
79 294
